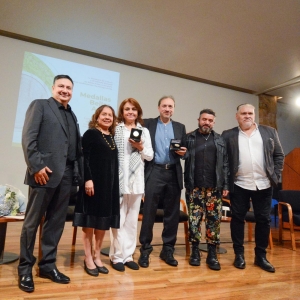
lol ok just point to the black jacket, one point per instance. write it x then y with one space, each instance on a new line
45 142
222 167
273 153
179 134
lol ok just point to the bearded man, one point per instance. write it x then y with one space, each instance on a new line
206 181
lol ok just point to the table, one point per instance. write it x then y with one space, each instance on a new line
7 257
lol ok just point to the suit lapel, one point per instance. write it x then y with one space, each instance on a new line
263 133
235 148
79 150
152 129
176 129
236 139
56 111
265 137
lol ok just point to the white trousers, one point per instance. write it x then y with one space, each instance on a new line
123 240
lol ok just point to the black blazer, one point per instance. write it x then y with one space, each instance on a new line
45 142
273 153
179 133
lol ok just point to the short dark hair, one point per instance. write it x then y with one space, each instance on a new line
165 97
62 76
207 111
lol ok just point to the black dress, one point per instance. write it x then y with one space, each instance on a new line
102 210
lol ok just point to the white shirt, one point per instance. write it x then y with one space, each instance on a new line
251 173
138 186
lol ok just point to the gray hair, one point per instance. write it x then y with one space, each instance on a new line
238 108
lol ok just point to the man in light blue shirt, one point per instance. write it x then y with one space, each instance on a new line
164 134
163 182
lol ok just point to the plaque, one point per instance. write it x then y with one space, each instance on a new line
175 145
136 134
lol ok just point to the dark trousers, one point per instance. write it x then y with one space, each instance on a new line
53 203
240 204
162 186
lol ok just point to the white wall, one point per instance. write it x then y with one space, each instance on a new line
288 125
145 86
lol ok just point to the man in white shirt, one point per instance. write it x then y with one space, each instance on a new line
255 162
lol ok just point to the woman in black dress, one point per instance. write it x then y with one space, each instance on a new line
99 208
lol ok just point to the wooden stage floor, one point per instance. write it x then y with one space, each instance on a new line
161 281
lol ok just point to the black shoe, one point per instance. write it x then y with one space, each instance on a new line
211 259
263 263
55 276
93 272
26 283
118 266
195 256
144 260
239 261
132 265
102 270
167 256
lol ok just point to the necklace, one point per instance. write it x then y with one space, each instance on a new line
113 147
206 138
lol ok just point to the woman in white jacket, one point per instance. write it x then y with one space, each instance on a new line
131 154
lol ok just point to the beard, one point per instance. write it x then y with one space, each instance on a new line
247 124
205 129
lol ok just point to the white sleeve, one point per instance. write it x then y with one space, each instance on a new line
147 152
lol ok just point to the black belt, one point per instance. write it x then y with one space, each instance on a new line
166 166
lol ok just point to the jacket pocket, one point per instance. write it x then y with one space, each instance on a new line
271 145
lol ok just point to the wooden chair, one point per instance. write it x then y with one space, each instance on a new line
289 213
69 218
183 218
249 219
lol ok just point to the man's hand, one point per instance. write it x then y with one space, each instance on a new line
182 151
41 176
225 193
89 188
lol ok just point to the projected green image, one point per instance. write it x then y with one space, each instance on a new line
93 87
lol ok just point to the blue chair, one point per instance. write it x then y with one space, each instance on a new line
289 213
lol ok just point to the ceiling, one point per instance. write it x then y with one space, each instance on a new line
248 45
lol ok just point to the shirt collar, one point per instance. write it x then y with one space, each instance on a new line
160 121
138 125
256 127
60 106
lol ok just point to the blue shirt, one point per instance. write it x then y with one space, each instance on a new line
163 135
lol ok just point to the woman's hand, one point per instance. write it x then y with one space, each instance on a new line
89 188
137 145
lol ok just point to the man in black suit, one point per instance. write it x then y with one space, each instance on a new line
163 182
255 164
52 151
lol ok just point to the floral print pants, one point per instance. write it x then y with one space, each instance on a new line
208 202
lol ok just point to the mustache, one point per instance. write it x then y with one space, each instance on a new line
206 128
